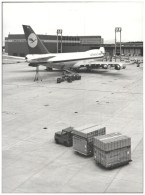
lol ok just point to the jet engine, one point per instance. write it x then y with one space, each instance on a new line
105 66
33 64
118 67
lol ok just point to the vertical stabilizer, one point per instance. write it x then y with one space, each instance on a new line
35 45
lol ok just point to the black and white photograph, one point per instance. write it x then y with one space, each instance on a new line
72 96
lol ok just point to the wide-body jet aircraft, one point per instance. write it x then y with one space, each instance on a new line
39 55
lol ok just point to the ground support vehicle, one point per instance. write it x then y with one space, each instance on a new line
112 150
69 77
59 80
64 137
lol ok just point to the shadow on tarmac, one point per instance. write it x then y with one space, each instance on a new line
82 155
45 75
103 72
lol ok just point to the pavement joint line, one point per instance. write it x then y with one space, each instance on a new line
118 111
39 85
112 180
120 170
17 155
133 87
76 173
38 171
122 180
133 83
137 145
25 139
118 92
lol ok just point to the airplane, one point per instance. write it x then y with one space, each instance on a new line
39 55
137 62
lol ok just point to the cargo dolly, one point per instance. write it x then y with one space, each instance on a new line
113 166
69 76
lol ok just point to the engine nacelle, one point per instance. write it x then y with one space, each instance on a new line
105 66
117 67
33 64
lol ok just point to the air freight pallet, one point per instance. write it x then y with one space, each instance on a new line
111 141
115 165
90 132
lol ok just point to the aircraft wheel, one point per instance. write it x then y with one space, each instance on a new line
72 77
117 67
69 80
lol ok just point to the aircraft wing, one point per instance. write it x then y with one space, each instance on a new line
42 60
6 59
92 64
84 63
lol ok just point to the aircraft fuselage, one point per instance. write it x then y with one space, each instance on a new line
60 60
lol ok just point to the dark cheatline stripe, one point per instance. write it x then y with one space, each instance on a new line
77 59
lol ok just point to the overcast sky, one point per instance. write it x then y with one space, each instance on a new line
76 18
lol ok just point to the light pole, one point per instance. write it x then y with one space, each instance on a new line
59 41
118 29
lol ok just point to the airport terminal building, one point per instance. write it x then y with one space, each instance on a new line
15 44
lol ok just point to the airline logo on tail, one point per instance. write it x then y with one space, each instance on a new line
35 45
32 40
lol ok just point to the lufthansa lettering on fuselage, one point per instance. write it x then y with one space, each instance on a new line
94 54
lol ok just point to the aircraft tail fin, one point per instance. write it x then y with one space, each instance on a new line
35 45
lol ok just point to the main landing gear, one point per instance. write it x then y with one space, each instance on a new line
49 69
37 75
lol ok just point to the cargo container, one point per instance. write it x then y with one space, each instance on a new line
112 150
83 139
82 146
90 132
112 158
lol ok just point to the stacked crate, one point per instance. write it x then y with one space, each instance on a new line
83 138
112 150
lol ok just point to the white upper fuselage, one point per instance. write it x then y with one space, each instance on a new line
60 60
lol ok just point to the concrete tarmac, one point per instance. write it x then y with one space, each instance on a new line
33 111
